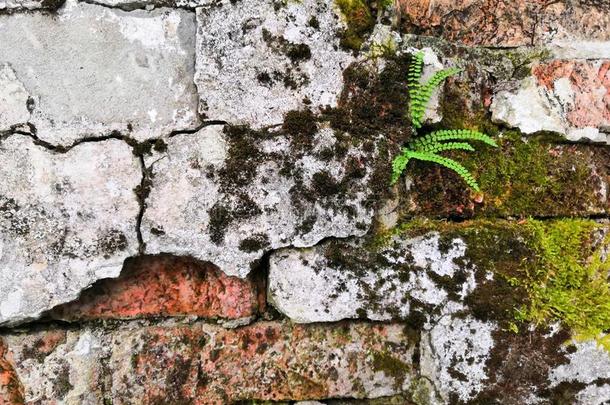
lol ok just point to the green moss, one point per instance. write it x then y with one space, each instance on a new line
359 21
526 177
529 177
570 282
544 271
390 366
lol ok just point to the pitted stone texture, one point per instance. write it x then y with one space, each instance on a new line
130 5
257 60
454 356
91 70
565 96
198 363
153 286
66 220
13 100
473 22
229 197
351 283
572 29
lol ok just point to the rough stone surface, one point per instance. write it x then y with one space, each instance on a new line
378 286
565 96
165 286
473 22
258 60
102 70
575 29
11 6
454 355
66 220
228 196
203 364
13 100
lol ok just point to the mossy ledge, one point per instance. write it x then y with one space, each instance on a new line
552 271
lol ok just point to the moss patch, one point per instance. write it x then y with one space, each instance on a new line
570 282
526 177
542 271
359 20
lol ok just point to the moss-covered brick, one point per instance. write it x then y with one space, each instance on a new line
525 177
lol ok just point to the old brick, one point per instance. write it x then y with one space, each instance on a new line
11 390
505 23
204 364
165 286
582 88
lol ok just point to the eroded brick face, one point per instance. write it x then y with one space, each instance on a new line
585 87
11 390
161 286
199 363
507 23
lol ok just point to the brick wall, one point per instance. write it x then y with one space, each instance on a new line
195 204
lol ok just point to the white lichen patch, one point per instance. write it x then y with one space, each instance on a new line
454 353
258 60
378 290
532 108
91 70
66 220
588 363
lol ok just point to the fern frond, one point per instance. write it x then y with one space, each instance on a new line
399 164
420 96
449 164
440 147
451 135
415 70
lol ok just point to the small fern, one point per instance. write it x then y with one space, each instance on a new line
426 148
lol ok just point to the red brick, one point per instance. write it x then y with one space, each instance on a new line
472 22
202 364
590 85
506 23
165 286
11 390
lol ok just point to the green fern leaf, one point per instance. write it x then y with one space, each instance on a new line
420 96
399 164
440 147
415 69
452 135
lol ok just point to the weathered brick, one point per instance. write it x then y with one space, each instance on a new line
574 28
153 286
203 364
571 97
11 390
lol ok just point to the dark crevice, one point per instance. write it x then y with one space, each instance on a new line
142 191
141 5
